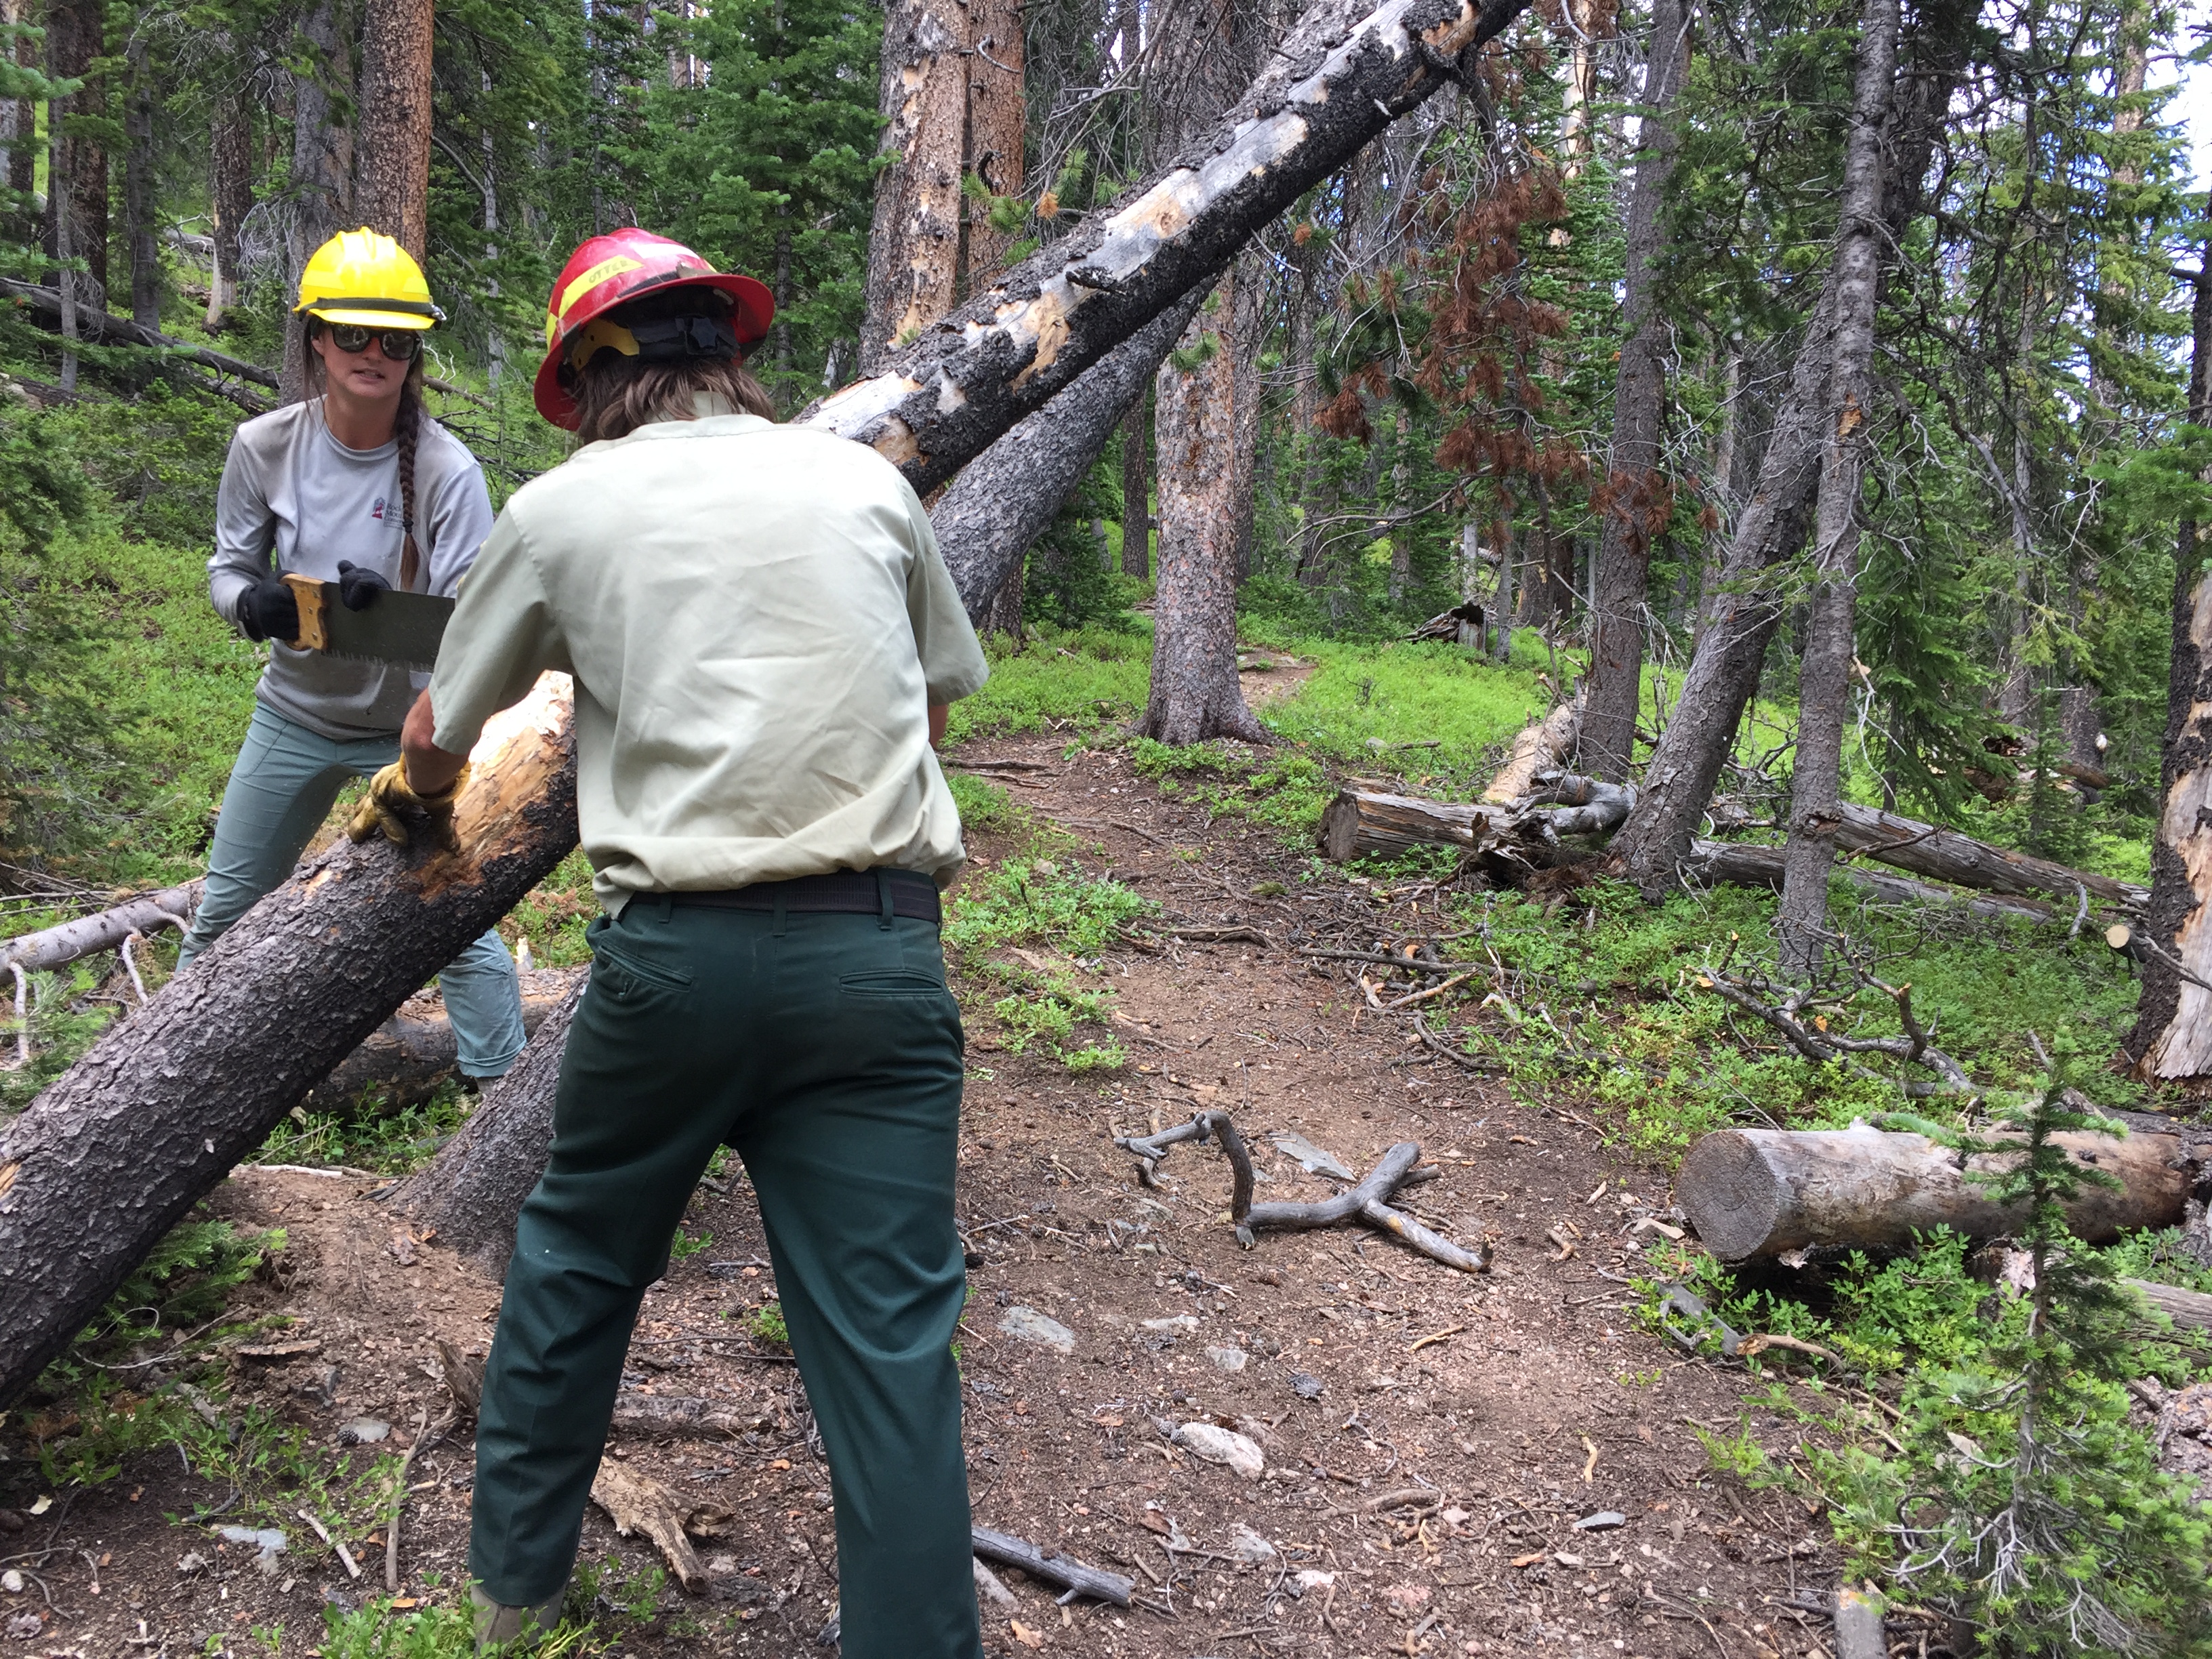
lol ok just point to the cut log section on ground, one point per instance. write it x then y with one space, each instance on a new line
68 941
1753 1192
118 1149
412 1053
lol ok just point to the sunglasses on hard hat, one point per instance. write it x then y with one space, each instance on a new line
400 345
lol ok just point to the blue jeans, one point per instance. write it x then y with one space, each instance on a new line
280 792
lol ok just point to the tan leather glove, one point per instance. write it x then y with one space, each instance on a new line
390 807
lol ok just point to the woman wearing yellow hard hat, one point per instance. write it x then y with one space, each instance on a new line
356 485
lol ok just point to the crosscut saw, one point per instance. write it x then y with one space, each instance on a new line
397 626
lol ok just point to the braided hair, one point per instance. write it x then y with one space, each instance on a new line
408 428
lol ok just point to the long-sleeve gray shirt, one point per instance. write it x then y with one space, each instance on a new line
294 498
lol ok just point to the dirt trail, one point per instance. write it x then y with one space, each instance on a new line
1430 1439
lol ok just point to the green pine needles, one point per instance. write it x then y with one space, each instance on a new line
2035 1509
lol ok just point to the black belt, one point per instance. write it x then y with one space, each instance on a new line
855 892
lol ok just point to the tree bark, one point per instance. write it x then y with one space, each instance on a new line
138 184
997 121
473 1190
914 245
1346 72
230 196
2172 1036
117 1150
391 184
1137 486
1679 779
1637 497
1764 1192
1007 497
22 127
76 37
322 165
1825 677
1195 690
413 1052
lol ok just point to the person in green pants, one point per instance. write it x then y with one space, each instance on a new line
763 637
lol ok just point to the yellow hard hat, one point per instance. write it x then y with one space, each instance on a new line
368 281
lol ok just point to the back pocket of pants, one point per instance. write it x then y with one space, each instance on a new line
628 981
891 982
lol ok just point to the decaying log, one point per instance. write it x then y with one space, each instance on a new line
1361 822
471 1193
1344 73
66 942
1943 854
1780 1192
1540 747
675 1417
2190 1310
637 1504
414 1051
116 1150
1744 865
1051 1567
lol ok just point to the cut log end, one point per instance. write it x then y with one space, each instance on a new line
1732 1195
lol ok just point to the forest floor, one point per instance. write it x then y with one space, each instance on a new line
1453 1464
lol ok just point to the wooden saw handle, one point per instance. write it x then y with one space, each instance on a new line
309 593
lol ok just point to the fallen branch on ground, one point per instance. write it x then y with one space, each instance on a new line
1203 1126
66 942
1074 1578
1790 1011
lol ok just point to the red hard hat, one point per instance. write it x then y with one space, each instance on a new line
608 271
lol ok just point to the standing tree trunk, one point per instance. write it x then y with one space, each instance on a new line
1637 498
1825 681
61 223
138 204
230 194
1137 490
322 165
1732 642
1208 50
392 160
1195 692
914 247
996 120
19 122
76 37
2172 1038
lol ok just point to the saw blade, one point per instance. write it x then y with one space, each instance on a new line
402 628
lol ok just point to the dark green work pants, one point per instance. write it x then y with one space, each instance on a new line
826 1050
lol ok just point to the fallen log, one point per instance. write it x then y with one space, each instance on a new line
1926 849
412 1053
1754 1193
1541 746
1744 865
2190 1310
472 1191
1344 73
117 1150
68 941
1511 837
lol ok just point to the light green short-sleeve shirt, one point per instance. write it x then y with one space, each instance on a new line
758 618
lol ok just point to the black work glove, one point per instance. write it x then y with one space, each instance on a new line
269 612
358 588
